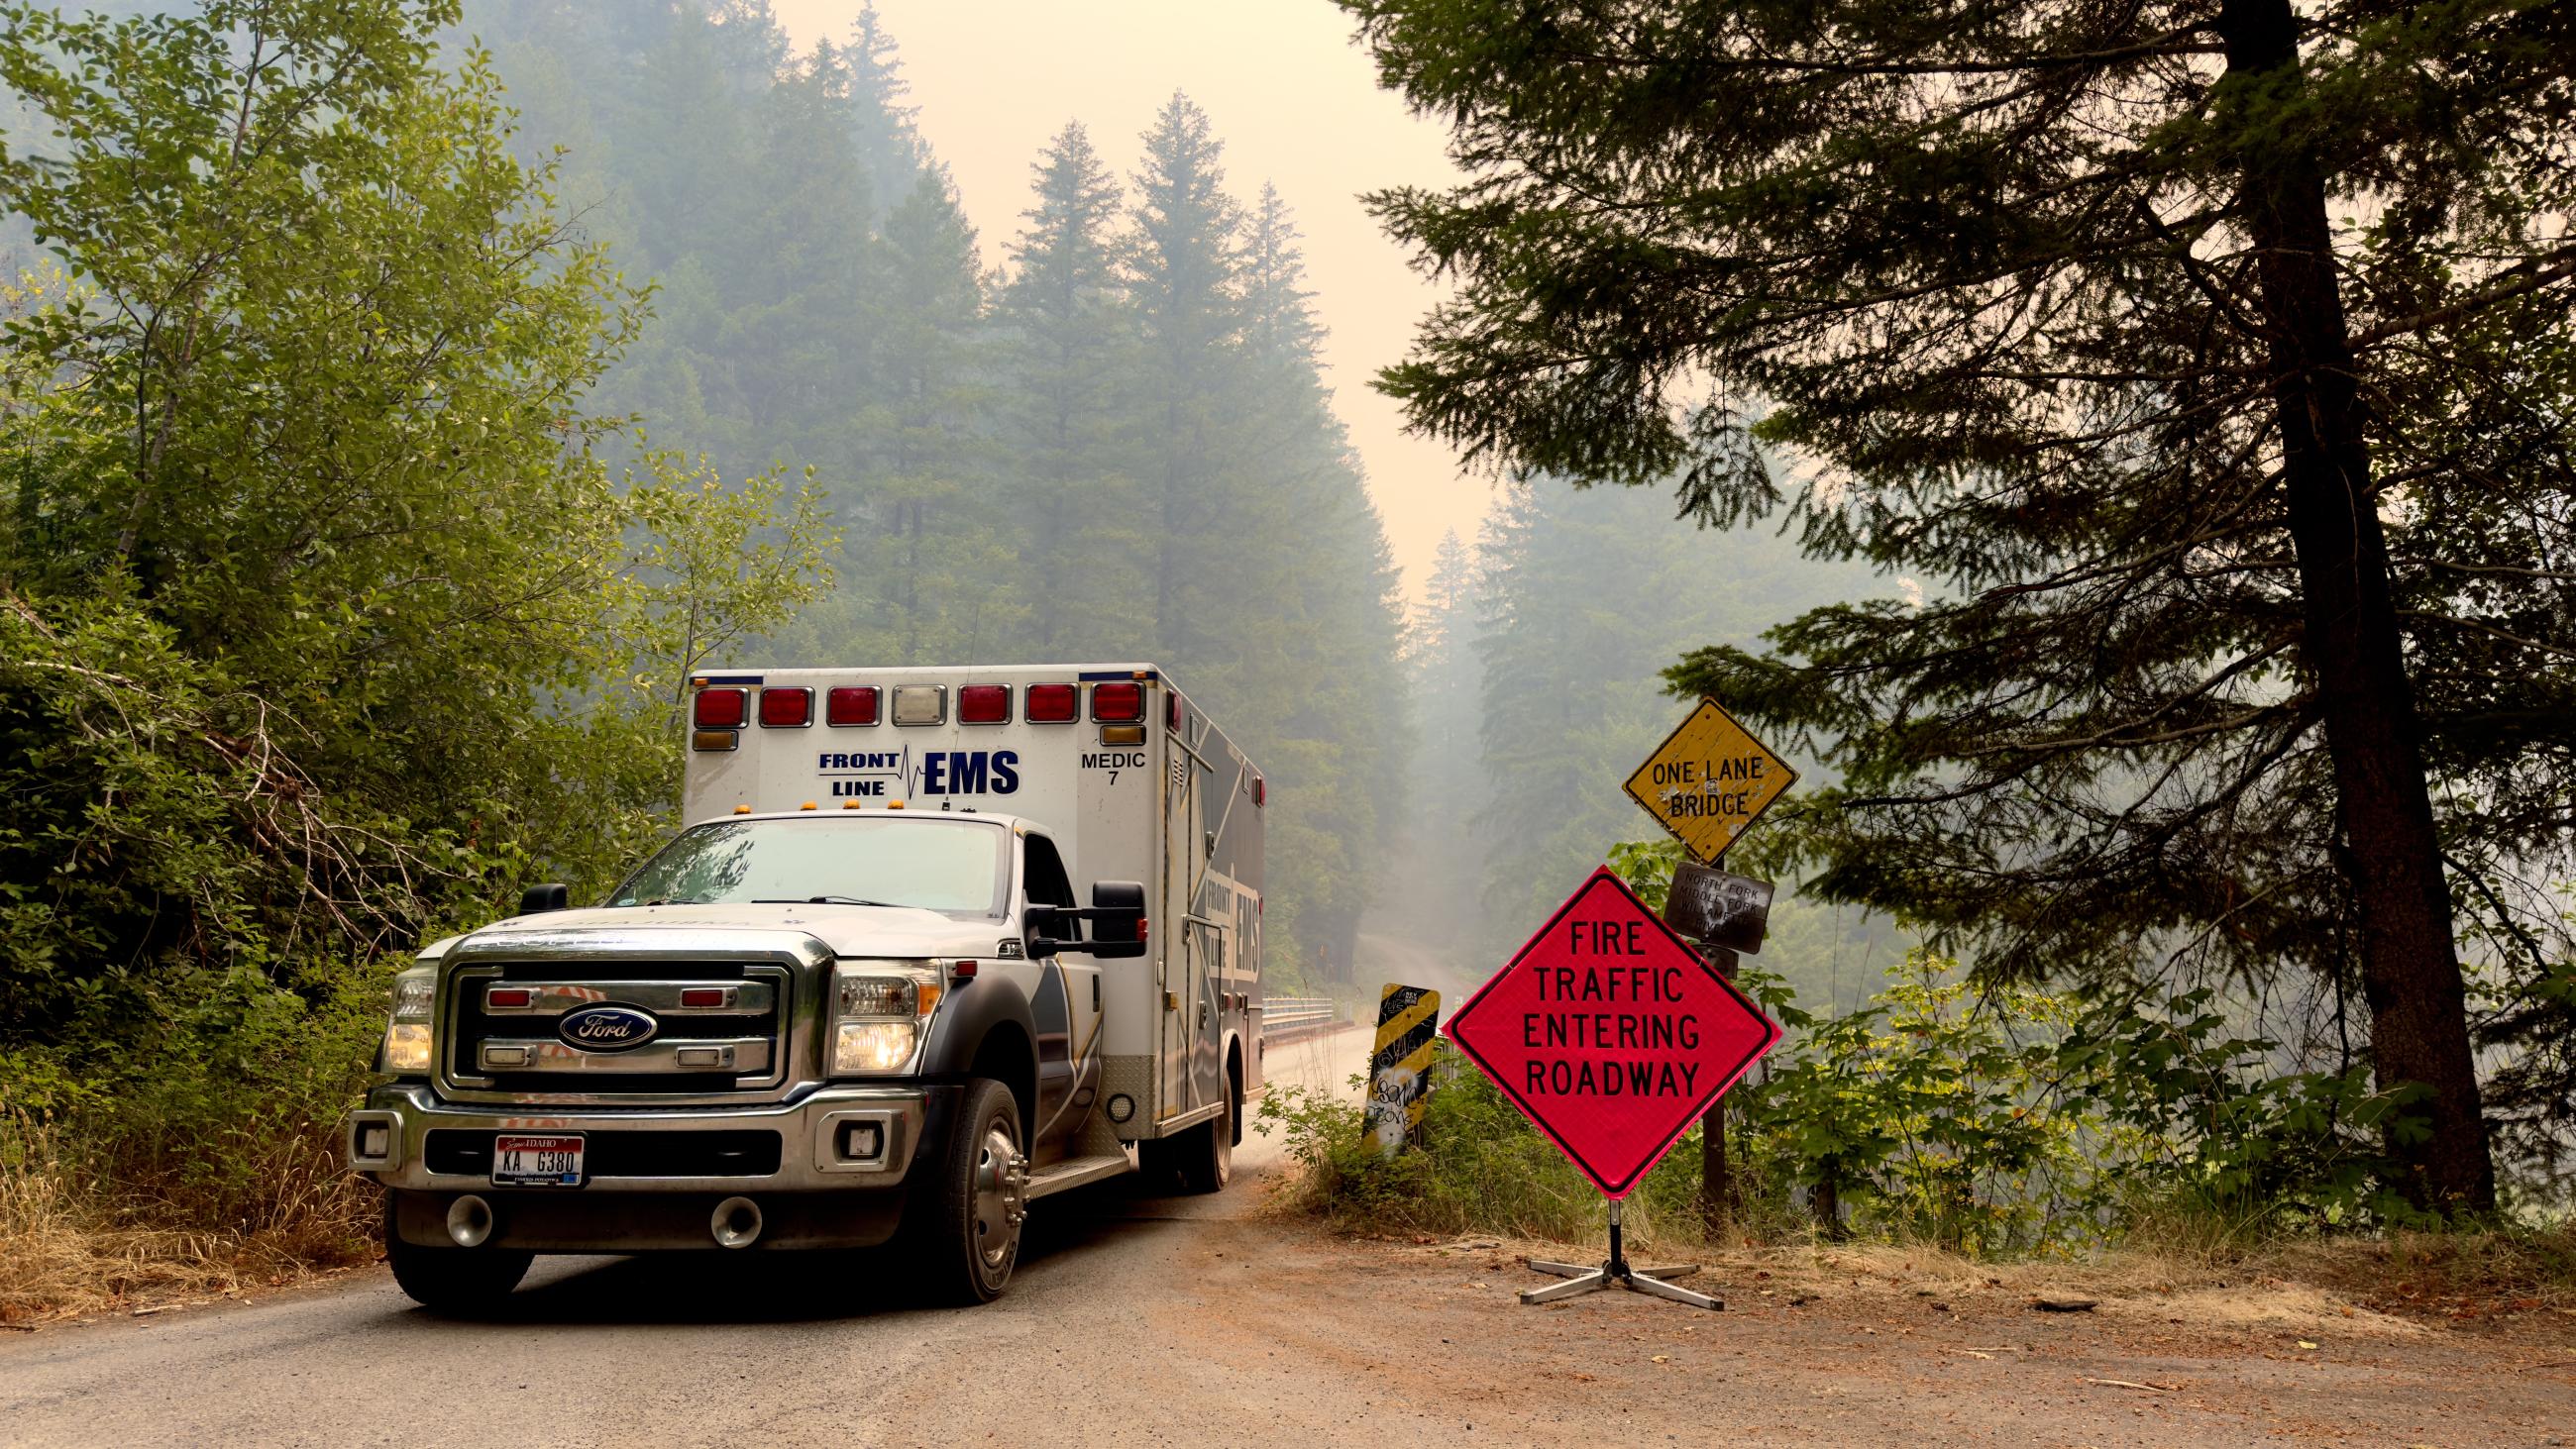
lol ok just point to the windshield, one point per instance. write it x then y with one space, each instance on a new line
942 865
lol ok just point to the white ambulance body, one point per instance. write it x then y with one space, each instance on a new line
1155 792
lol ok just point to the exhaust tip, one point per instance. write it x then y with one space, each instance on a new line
469 1221
736 1223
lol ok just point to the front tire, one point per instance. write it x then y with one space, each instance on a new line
452 1280
967 1239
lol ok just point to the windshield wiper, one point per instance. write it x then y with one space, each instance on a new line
823 901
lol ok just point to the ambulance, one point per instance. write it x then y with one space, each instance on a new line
930 946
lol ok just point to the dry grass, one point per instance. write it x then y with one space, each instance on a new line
66 1251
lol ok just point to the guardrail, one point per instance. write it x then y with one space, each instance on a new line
1283 1017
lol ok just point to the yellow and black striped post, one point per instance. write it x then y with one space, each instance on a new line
1408 1020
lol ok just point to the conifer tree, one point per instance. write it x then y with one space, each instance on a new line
925 496
880 121
1182 264
1070 349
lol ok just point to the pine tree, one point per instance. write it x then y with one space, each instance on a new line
1443 854
923 527
880 121
1181 263
1070 350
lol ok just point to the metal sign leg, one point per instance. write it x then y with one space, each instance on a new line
1650 1281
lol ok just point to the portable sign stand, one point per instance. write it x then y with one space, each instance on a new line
1616 1269
1612 1036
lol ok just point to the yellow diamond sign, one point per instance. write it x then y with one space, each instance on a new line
1709 781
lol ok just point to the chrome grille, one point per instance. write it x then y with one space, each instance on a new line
506 1042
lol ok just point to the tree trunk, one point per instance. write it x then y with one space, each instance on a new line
2409 967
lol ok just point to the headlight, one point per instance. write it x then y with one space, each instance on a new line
407 1048
879 1013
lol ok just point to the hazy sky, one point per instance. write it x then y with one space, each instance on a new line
1296 104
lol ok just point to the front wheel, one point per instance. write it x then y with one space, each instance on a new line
968 1235
452 1280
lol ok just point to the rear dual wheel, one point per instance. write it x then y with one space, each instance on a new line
1202 1158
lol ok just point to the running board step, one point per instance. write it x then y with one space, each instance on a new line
1075 1172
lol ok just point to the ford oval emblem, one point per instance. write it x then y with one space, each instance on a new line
607 1028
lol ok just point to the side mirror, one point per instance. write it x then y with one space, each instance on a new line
538 899
1042 925
1117 915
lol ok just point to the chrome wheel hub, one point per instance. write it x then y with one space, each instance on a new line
1001 1196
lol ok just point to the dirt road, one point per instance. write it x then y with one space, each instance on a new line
1141 1320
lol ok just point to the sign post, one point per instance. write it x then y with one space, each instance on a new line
1611 1035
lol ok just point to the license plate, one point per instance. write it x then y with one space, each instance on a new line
537 1161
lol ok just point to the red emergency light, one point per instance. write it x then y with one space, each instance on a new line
851 704
1120 701
1054 703
984 704
788 708
719 709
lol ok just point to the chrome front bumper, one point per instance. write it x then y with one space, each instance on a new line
389 1139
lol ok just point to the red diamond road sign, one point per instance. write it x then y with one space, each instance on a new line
1611 1033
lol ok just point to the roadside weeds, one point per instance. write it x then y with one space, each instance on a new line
67 1254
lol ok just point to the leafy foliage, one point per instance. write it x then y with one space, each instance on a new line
322 624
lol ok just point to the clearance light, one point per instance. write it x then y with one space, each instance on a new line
715 739
850 805
1122 734
894 804
1172 711
1260 791
742 810
808 805
851 704
787 708
719 709
921 704
984 704
1118 702
1054 703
